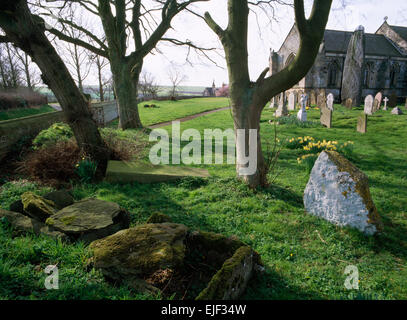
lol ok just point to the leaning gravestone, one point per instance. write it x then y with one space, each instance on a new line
362 123
330 101
369 105
326 116
397 111
291 101
377 101
393 100
348 103
385 100
338 192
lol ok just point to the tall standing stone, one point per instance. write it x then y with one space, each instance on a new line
362 123
353 69
369 105
291 101
313 98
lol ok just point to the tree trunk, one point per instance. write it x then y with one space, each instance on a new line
249 119
27 32
125 85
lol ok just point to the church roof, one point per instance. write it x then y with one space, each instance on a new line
376 44
402 31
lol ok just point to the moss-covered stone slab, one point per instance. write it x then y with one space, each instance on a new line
127 171
23 224
165 255
231 280
140 250
339 192
37 207
90 219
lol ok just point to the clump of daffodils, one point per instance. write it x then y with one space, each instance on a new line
299 142
315 147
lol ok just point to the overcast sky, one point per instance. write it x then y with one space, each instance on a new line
263 35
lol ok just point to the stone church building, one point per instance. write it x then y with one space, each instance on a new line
351 64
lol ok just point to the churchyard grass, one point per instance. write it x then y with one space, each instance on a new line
171 110
24 112
305 257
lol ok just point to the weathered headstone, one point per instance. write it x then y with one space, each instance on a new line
362 123
338 192
313 98
291 101
326 116
393 100
302 114
397 111
406 104
330 101
385 100
282 107
349 103
377 101
368 105
321 99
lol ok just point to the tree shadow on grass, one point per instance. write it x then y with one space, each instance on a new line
272 286
281 193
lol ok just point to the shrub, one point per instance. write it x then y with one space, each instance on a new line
53 164
56 133
21 98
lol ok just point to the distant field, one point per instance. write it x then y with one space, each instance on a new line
171 110
24 112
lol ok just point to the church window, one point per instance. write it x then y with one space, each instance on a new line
333 74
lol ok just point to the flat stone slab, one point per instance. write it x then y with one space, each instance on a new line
126 171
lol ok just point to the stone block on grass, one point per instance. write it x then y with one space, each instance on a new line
123 171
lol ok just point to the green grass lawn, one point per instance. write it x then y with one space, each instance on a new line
305 257
24 112
171 110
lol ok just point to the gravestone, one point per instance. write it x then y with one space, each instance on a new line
385 100
291 101
393 100
313 98
377 101
302 114
330 101
326 116
362 123
397 111
406 104
369 105
282 107
348 103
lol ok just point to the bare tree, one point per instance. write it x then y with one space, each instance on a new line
148 86
147 24
9 68
27 31
249 98
32 77
176 77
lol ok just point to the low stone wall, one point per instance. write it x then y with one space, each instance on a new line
12 131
